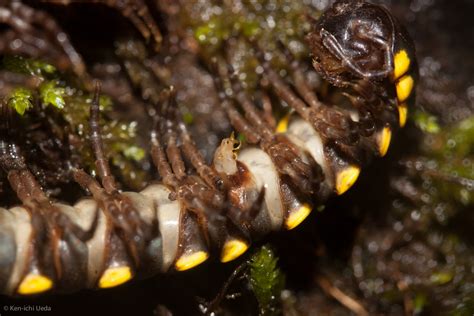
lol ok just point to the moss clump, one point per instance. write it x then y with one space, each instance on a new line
266 280
20 100
26 66
120 138
426 122
449 157
64 107
51 93
225 31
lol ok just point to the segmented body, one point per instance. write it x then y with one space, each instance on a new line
271 184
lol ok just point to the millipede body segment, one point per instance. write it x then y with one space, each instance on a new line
269 184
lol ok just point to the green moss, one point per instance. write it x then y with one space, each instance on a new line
462 136
447 161
120 138
188 118
419 303
134 153
443 176
27 66
442 277
426 122
266 279
466 308
213 32
249 28
266 22
71 107
220 28
241 138
20 99
52 94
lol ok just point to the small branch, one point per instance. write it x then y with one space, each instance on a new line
340 296
220 296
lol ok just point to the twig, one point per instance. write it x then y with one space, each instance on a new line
340 296
217 300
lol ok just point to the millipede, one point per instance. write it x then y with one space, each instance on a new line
269 183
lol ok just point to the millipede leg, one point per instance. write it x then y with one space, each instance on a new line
101 162
44 227
159 159
194 210
240 124
378 131
236 120
331 123
267 112
208 174
337 122
167 129
129 228
52 233
300 81
331 44
281 89
117 268
158 154
249 109
129 12
335 127
173 152
205 200
212 219
135 10
22 181
142 11
282 152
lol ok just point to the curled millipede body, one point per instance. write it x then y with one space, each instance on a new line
270 184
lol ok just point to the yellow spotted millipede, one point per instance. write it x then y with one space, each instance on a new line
108 238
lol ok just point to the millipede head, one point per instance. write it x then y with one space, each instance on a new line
354 40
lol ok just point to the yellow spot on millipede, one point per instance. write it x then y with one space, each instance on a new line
384 142
282 126
346 179
233 249
34 284
187 262
401 64
402 114
404 88
115 276
298 216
